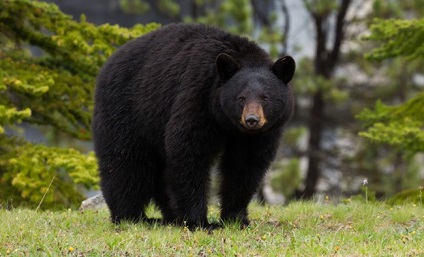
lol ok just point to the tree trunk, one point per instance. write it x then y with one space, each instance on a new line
315 130
324 63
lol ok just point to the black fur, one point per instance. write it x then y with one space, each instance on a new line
163 115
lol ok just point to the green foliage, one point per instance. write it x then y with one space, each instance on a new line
293 135
170 7
398 9
30 169
286 176
323 7
415 196
400 38
310 83
53 89
235 16
9 116
401 126
74 52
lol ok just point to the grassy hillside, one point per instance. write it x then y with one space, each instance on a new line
299 229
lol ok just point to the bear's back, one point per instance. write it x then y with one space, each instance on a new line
205 43
173 53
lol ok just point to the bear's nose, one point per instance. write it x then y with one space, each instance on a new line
251 121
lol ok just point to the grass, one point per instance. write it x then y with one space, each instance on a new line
299 229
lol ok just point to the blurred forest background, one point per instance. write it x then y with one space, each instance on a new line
359 91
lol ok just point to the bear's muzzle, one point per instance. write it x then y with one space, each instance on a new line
253 117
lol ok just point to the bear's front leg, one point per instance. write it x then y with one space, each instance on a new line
190 153
243 165
187 187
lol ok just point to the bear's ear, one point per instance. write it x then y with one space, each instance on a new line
226 66
284 68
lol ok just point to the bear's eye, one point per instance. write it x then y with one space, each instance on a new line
264 98
241 99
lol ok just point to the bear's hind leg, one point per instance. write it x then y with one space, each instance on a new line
128 184
163 202
126 201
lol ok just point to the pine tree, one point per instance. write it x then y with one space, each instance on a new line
401 126
48 65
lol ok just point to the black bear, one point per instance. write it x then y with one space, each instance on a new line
173 102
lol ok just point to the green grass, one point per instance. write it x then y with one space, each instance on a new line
299 229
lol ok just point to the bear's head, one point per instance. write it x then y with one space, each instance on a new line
255 98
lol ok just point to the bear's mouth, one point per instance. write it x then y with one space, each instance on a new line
251 131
